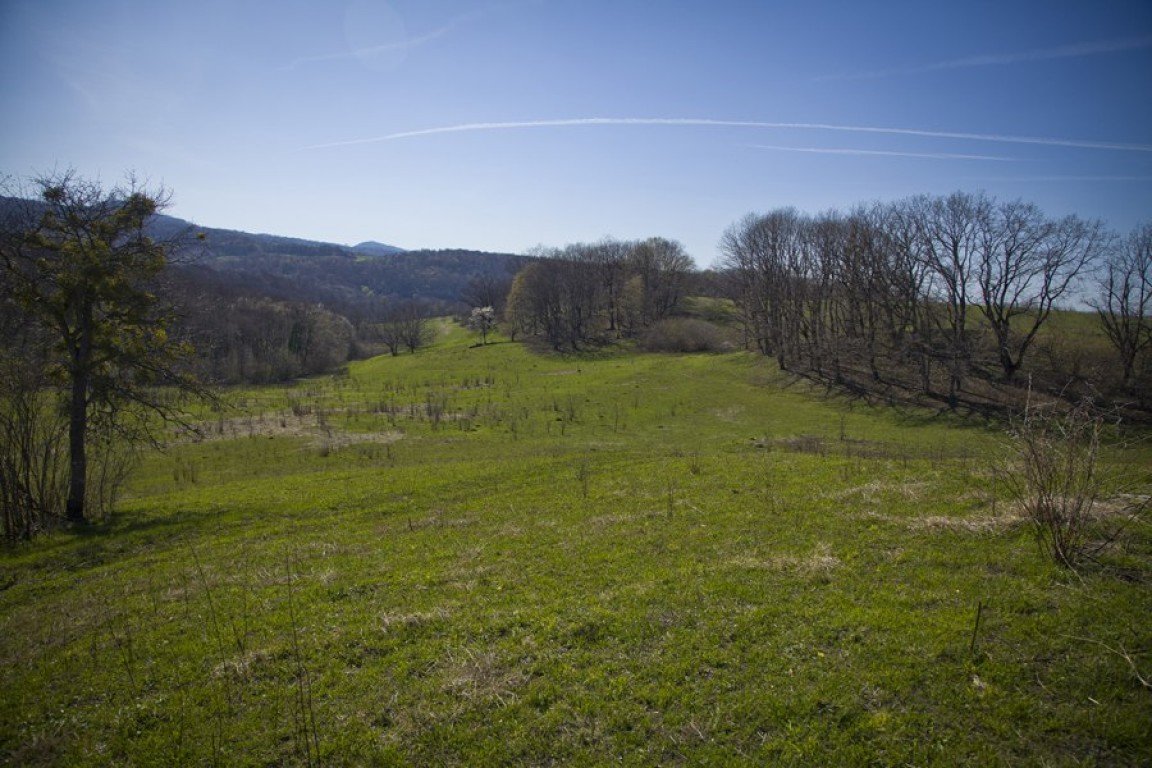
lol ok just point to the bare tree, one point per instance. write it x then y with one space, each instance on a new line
33 473
886 285
610 261
760 257
581 297
663 267
912 318
401 326
487 290
1124 305
1025 264
560 296
950 230
414 326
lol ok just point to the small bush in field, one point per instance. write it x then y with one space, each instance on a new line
685 334
1058 477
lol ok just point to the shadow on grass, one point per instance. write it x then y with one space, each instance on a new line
81 547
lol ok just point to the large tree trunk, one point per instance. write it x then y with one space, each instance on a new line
78 421
1009 364
77 448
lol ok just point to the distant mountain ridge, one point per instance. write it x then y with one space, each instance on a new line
261 307
340 274
296 269
374 248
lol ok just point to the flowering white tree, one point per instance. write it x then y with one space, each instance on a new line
482 319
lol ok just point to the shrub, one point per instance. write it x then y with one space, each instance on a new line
685 334
1057 477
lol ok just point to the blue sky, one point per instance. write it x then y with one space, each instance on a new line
571 120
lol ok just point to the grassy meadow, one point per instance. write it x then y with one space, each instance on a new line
480 555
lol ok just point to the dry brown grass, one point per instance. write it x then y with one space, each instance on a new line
1009 516
270 426
389 621
482 675
820 562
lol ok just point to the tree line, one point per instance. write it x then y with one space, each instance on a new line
942 288
588 293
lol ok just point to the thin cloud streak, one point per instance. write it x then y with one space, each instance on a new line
1062 178
1074 50
702 122
407 44
883 153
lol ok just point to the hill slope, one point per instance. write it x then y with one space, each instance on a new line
297 269
338 273
478 556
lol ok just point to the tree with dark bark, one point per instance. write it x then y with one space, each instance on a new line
402 326
1025 264
1124 305
663 267
763 254
901 282
559 296
609 258
80 263
949 228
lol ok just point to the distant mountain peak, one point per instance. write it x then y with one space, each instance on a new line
374 248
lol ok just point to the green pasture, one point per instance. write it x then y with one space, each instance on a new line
484 555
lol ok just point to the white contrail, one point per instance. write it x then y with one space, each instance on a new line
1074 50
677 121
406 44
1061 178
882 152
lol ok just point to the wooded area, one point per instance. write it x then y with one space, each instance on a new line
931 292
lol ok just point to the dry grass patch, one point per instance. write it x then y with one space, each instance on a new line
911 490
1013 514
820 562
241 667
388 621
1010 517
270 426
981 524
482 676
732 414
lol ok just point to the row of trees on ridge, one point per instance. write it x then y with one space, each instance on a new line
944 286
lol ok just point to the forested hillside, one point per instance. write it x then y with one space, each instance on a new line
259 307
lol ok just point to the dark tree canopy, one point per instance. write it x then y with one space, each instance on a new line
78 260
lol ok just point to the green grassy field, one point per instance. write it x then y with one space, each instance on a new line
483 556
